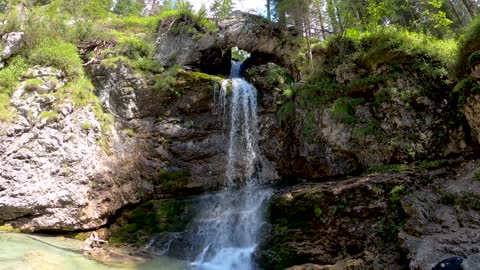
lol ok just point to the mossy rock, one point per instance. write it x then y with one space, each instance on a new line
153 217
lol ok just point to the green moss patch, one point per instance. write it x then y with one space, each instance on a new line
138 225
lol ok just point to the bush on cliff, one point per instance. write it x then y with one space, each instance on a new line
468 58
58 54
469 44
358 65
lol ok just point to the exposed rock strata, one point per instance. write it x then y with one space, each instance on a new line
348 224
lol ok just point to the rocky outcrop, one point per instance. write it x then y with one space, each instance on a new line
55 174
349 134
10 43
471 110
442 220
211 51
332 223
385 221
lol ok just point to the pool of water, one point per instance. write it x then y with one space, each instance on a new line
33 252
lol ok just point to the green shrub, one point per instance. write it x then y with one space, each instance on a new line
85 126
343 110
50 116
171 181
128 7
167 80
129 132
364 87
149 64
95 9
33 84
58 54
12 24
465 200
286 113
186 17
474 59
321 90
41 29
469 44
80 92
9 80
394 218
476 176
113 62
433 164
372 128
84 30
134 48
135 25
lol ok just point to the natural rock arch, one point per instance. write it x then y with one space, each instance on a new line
210 52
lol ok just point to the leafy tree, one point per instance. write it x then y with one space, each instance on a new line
222 8
129 7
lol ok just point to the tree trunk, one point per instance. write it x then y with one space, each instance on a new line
452 6
307 35
332 15
470 7
269 10
318 6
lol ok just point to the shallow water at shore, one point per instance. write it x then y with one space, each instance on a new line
34 252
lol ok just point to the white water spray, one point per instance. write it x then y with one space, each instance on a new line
228 230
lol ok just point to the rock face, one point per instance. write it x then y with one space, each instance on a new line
211 51
10 44
54 173
443 219
351 134
333 224
178 134
62 168
471 110
357 223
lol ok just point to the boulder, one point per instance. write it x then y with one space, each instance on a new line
11 43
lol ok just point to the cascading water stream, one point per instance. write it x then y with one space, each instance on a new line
228 228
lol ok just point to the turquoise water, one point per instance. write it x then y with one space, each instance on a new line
32 252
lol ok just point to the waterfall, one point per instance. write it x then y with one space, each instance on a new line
229 223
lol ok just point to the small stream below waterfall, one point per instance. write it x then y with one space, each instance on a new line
35 252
